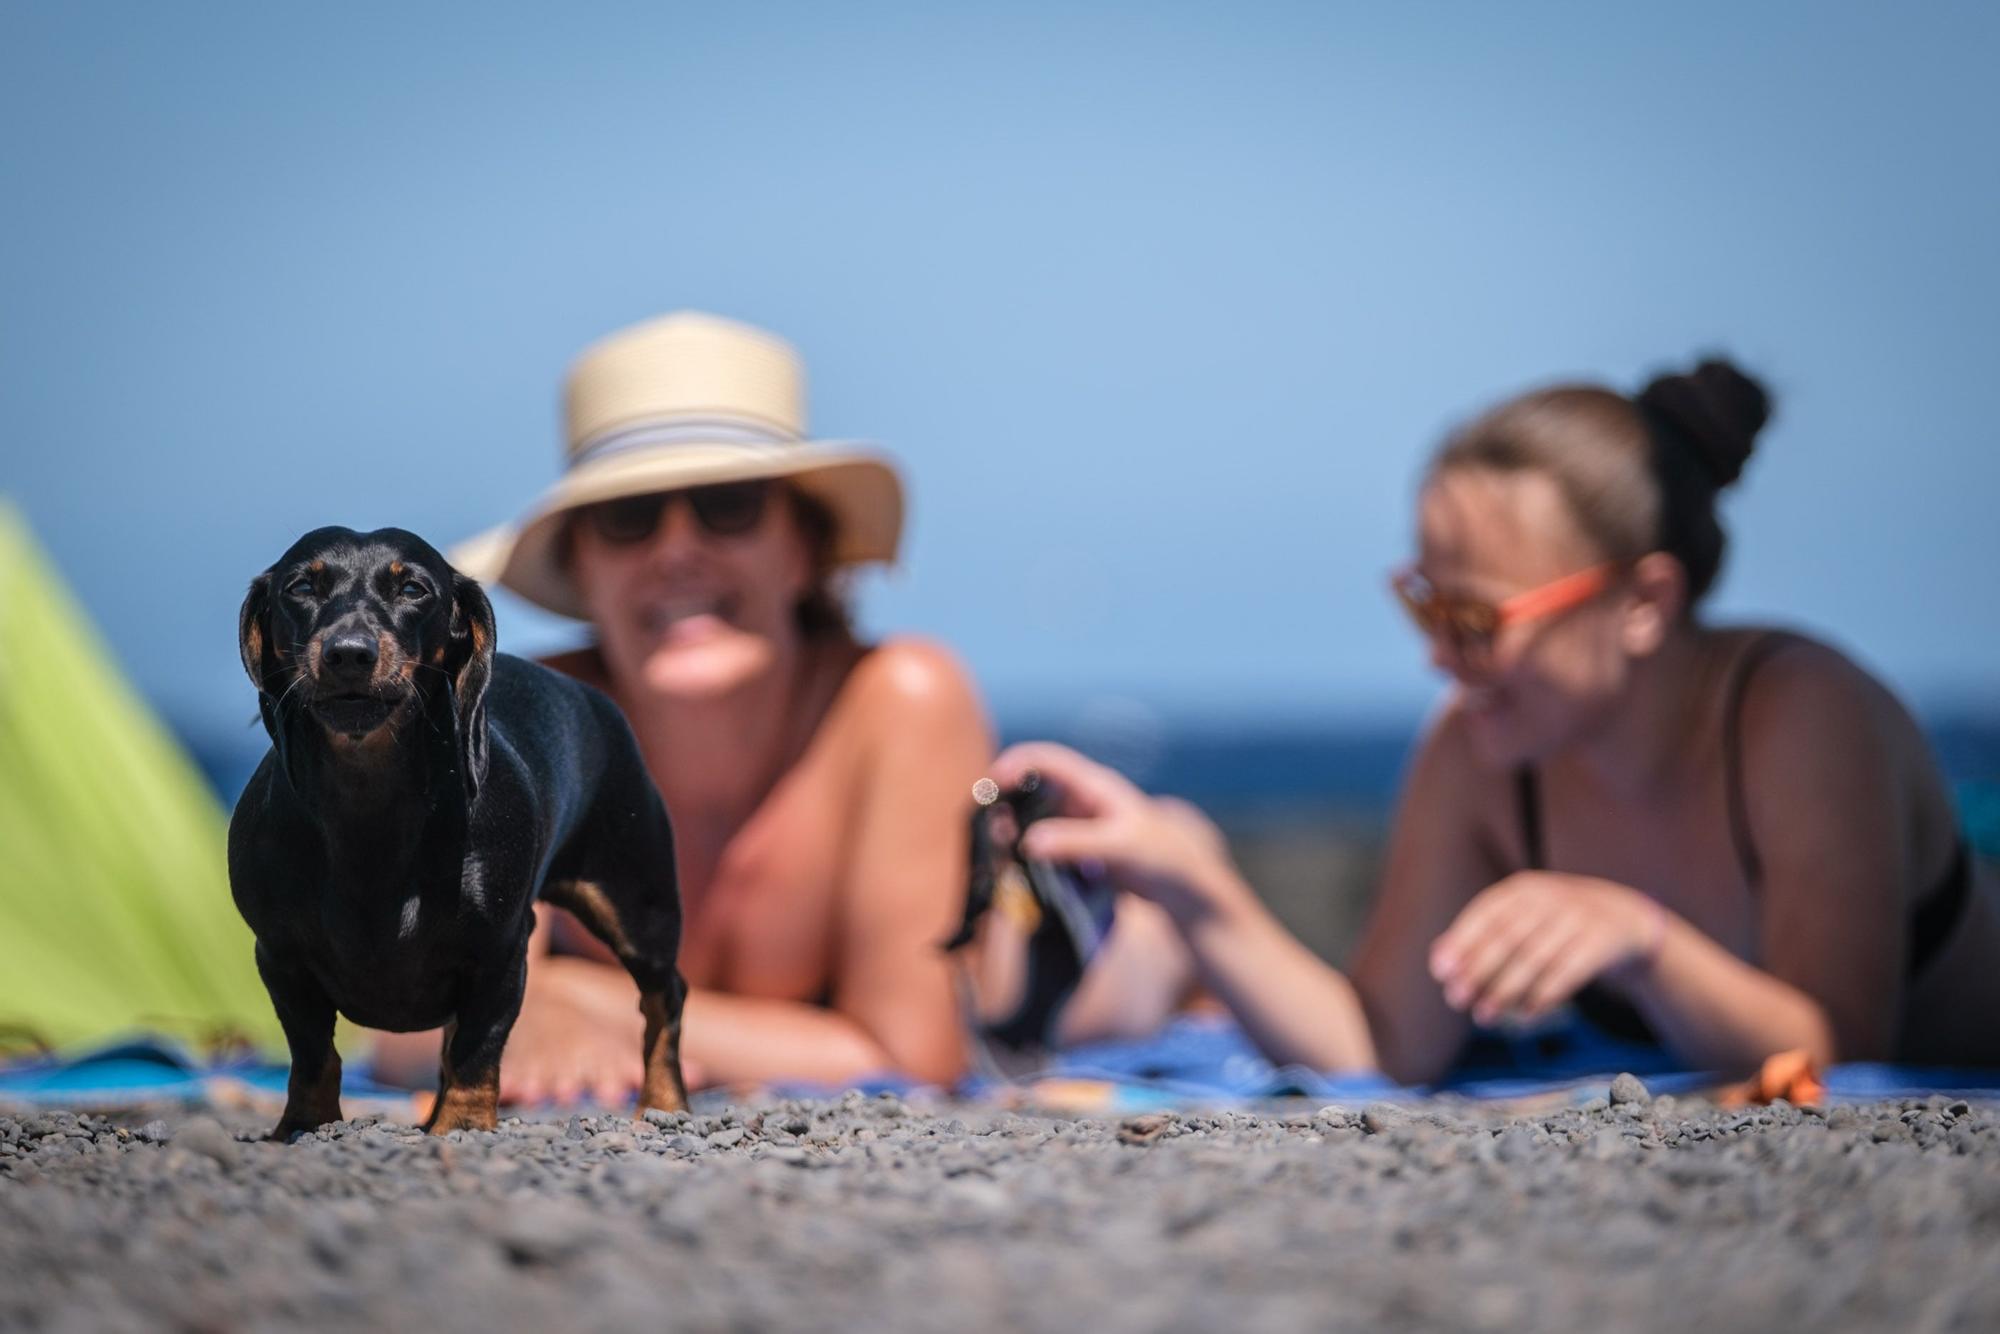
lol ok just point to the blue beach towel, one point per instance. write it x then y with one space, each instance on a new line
149 1069
1205 1061
1194 1062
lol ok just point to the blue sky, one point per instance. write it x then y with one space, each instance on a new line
1161 305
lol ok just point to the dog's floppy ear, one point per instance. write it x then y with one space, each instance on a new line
260 660
253 637
471 668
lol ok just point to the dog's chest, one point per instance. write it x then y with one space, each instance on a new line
396 958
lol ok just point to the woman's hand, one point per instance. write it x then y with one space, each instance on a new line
1159 848
1528 943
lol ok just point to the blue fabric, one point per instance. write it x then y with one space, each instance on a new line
1862 1081
149 1069
1192 1062
1210 1060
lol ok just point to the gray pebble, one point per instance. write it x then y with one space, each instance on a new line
1442 1215
204 1135
1627 1090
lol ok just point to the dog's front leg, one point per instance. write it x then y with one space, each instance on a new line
312 1093
469 1074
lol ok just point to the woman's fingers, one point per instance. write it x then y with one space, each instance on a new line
1468 931
614 1087
1194 820
1473 951
1516 977
523 1089
1564 977
1086 786
1058 839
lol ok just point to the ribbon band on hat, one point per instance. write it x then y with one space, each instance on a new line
682 431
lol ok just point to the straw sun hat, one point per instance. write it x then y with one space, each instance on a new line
685 400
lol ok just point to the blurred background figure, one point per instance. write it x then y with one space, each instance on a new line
816 783
1161 311
1724 842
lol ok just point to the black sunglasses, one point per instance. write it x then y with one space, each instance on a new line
723 509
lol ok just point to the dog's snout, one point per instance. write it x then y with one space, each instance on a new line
350 656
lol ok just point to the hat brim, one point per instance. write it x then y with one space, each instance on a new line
859 488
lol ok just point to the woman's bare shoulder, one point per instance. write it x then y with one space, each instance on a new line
907 676
1803 687
1448 785
1808 713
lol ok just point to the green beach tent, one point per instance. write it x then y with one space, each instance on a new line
115 913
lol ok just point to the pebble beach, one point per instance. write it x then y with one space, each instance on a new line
868 1213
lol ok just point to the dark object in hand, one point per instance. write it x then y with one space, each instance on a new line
421 792
1068 907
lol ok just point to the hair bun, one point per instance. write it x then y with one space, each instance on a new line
1716 411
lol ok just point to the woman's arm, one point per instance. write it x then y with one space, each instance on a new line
1388 1014
1441 852
1293 1005
926 741
1717 1012
580 1032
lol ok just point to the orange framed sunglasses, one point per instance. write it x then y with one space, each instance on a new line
1471 624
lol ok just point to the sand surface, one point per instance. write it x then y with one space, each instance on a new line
868 1214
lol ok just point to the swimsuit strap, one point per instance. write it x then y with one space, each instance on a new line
1934 921
1747 662
1528 805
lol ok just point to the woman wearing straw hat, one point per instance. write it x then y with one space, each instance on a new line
815 783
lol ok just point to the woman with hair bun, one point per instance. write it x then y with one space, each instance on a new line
1729 842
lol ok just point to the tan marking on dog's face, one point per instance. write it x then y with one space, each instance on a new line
376 747
389 660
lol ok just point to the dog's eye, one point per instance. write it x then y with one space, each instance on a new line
412 589
301 587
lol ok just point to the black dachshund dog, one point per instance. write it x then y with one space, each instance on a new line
422 791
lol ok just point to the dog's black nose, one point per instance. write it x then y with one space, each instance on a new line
350 656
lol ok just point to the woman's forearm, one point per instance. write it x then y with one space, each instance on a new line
1294 1005
735 1039
752 1039
1716 1011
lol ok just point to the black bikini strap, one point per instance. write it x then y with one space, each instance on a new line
1732 752
1528 795
1935 920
